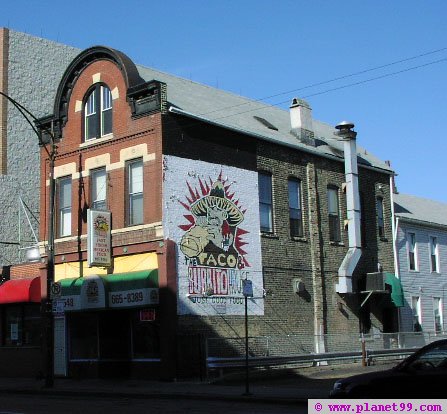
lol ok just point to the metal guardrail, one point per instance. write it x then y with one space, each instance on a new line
239 362
281 350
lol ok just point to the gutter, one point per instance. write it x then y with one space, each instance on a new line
174 110
418 222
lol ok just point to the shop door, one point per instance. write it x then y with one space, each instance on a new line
114 344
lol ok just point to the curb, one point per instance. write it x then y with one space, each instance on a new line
253 399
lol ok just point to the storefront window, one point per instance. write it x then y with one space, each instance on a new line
31 325
13 326
20 325
146 339
83 334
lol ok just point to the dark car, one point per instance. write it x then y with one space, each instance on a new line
421 375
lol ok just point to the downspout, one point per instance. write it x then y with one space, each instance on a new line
347 267
395 230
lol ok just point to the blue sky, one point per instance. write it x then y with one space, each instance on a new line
277 48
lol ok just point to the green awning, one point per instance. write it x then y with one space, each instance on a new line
132 280
119 290
397 293
71 286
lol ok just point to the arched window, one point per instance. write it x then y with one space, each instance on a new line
98 113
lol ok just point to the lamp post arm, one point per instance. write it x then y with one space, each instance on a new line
25 113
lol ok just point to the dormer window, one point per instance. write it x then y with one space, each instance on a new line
98 113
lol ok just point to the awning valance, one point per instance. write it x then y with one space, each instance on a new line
20 291
120 290
397 293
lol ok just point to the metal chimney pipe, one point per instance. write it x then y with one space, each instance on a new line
347 134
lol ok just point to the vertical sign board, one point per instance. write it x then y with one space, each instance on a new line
99 238
212 214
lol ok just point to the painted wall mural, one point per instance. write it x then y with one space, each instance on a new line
212 213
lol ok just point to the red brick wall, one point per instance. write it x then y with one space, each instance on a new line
25 271
127 132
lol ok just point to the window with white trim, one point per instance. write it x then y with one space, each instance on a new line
98 186
64 206
434 254
98 113
295 211
437 314
265 202
134 192
334 214
412 251
416 308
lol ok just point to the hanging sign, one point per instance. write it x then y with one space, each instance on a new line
99 238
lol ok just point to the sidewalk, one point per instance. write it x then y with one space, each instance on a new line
286 386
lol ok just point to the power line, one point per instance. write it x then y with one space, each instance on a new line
377 78
361 72
340 87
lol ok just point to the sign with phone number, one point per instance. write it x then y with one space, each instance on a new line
119 299
133 298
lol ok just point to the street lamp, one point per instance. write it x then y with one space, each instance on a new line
47 308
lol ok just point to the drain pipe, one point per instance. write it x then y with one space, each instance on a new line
347 267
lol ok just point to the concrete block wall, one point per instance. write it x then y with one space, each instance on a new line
33 68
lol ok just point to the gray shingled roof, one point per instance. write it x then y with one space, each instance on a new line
421 209
236 112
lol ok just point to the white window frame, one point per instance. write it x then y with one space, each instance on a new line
266 202
64 207
134 194
295 206
97 104
106 105
98 196
334 214
436 254
412 249
438 312
416 312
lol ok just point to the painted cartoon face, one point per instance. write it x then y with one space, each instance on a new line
216 216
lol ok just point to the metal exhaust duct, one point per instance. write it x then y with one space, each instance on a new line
348 136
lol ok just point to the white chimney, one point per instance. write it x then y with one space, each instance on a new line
300 115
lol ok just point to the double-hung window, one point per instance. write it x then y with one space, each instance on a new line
334 214
416 308
64 206
98 113
437 313
380 220
135 192
434 259
412 251
265 202
295 211
98 182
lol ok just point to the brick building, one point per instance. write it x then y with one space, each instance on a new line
206 189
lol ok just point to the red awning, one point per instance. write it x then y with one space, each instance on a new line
20 290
